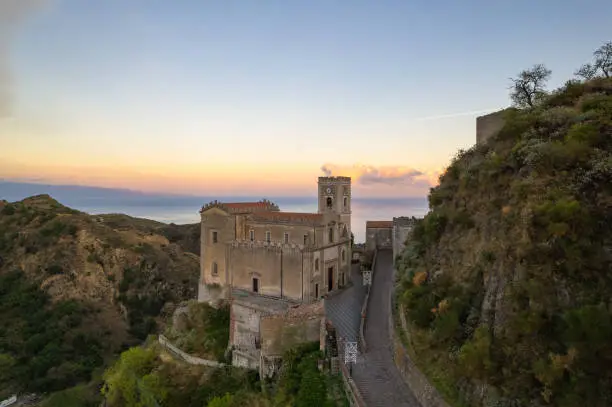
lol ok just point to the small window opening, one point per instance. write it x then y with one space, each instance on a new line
252 235
316 264
331 235
330 202
305 240
286 237
268 237
214 270
345 202
343 256
316 290
215 237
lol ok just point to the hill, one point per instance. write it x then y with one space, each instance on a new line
76 289
187 236
506 283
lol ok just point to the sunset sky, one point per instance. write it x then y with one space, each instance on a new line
241 97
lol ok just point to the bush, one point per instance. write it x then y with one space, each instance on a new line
8 209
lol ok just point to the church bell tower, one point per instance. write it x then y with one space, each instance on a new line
335 197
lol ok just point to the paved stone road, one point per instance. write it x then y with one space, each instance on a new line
344 308
375 374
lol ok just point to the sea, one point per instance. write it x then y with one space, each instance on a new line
181 209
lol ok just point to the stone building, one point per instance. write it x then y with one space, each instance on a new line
402 227
379 234
265 261
489 125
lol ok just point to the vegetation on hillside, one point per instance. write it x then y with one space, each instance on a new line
202 330
74 291
186 236
44 346
506 282
144 377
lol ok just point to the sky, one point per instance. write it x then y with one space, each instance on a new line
250 97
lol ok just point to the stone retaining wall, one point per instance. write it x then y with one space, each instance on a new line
423 390
364 311
192 360
354 396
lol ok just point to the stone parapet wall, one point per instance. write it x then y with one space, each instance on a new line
334 180
425 393
192 360
364 311
262 244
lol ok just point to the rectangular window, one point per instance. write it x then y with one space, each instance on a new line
345 202
268 237
214 269
305 240
252 235
316 290
286 237
331 235
255 285
214 237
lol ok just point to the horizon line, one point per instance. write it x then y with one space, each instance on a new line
186 195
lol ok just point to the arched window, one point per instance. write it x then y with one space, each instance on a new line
330 202
345 202
331 235
343 256
316 264
214 269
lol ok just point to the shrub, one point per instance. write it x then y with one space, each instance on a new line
8 209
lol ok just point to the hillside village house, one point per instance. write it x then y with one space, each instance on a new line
265 261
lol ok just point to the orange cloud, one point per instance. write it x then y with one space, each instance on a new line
369 175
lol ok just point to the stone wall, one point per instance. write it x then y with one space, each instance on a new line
378 235
402 227
281 332
278 267
489 125
192 360
425 393
213 254
364 310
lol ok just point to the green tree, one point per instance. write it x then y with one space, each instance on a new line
225 401
133 381
7 362
602 61
529 87
313 391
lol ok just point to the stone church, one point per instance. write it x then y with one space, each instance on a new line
266 261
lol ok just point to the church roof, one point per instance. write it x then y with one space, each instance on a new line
379 224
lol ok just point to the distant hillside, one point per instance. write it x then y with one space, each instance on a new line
507 282
77 288
186 236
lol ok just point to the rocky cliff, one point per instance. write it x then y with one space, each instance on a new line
507 282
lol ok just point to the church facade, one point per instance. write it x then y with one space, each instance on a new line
257 248
266 262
